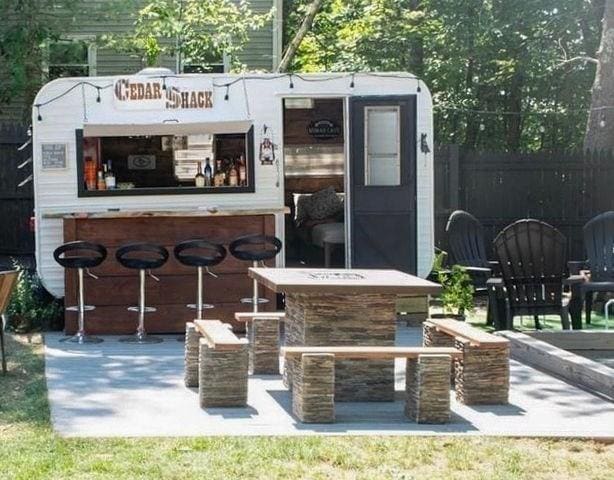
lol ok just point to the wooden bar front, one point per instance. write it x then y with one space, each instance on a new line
117 287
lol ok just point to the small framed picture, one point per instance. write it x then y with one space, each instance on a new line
53 156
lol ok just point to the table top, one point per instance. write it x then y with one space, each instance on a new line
178 212
322 281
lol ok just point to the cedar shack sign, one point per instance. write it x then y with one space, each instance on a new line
140 94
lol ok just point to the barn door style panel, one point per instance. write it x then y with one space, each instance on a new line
383 182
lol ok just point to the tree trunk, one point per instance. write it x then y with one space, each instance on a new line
600 124
300 35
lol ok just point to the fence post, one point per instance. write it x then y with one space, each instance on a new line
454 179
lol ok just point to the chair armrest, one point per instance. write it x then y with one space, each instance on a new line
477 269
575 266
574 280
495 282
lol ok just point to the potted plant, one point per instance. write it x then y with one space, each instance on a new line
457 294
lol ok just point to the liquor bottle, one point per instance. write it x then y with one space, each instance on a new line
208 173
233 175
90 173
101 184
242 172
110 177
199 179
219 174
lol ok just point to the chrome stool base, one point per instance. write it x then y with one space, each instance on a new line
82 339
141 338
194 306
75 308
137 309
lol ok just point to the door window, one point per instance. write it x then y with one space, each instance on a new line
382 146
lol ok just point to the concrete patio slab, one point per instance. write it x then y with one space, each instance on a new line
119 390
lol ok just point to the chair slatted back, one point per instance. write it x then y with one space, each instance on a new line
532 256
8 280
599 245
466 240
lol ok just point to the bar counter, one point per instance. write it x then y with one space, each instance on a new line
117 287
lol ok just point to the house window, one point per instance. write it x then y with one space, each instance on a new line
71 58
382 146
213 64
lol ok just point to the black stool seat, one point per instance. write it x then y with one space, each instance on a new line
92 254
141 256
199 253
255 247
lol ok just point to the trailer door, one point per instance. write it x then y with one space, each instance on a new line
382 164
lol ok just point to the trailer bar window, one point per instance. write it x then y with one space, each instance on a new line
197 163
382 146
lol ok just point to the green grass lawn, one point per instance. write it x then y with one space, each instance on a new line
30 450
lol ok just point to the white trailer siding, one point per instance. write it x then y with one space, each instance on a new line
258 98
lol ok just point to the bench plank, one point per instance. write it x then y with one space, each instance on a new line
475 336
219 335
379 353
249 316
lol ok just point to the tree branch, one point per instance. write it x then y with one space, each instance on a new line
580 58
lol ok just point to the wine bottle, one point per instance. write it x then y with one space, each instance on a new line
199 179
110 177
208 174
242 172
233 175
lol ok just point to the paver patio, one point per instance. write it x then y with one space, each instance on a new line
113 389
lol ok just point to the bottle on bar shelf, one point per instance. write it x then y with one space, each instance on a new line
109 178
233 175
208 173
101 184
242 172
199 179
90 173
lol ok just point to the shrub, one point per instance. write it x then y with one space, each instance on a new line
32 308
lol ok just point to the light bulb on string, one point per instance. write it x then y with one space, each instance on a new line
163 83
542 129
98 94
602 121
227 95
291 83
352 82
482 127
38 110
418 89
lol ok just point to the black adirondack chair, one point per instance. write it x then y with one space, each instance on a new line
532 259
599 246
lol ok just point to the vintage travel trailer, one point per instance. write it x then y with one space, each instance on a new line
338 166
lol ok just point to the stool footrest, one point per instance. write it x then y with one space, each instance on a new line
147 309
75 308
251 300
193 306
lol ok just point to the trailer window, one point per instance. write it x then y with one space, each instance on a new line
70 58
165 164
382 146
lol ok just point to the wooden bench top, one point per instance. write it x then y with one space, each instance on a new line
379 353
218 335
247 316
475 336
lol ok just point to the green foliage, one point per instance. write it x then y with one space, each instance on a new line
478 54
31 308
457 296
200 31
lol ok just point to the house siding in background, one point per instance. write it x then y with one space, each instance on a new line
262 53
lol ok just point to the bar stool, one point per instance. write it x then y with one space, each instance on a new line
255 248
143 257
201 254
82 256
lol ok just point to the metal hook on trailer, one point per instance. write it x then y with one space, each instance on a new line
24 163
27 142
25 181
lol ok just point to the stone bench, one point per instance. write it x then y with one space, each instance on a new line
216 361
264 340
427 381
482 374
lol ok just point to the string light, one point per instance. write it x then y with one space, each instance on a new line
602 120
352 82
542 129
98 94
163 83
418 89
226 96
38 110
482 127
291 83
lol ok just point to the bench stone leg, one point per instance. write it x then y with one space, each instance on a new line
222 377
263 335
192 338
482 375
427 385
313 392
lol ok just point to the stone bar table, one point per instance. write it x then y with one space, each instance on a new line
331 307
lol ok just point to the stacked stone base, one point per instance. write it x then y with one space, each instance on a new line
313 392
427 384
482 375
222 376
192 338
263 335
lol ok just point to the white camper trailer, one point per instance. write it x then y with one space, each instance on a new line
264 142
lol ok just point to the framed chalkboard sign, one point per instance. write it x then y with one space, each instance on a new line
53 156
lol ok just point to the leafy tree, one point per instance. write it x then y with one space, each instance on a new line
475 55
199 31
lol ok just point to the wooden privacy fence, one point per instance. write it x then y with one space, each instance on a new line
17 203
563 189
